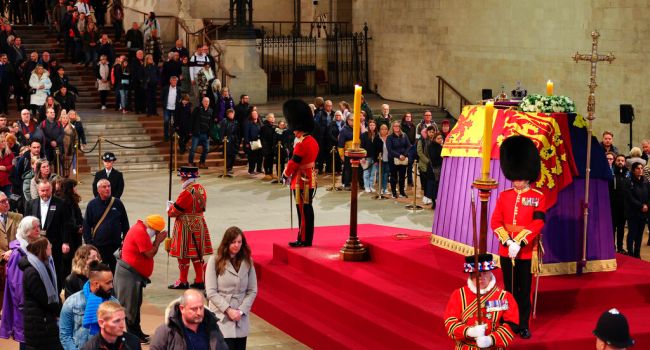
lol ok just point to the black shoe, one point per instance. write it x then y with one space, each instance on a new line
621 251
402 194
395 195
197 285
179 285
524 333
297 244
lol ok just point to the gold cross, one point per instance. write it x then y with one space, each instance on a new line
594 58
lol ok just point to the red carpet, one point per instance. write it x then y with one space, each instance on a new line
397 299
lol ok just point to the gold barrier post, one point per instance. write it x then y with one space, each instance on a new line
277 172
334 187
99 153
225 158
76 162
414 206
58 160
175 141
380 182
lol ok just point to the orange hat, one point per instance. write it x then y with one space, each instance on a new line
156 222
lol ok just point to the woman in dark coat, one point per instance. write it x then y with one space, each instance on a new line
434 151
151 83
409 129
42 304
398 146
67 191
80 269
372 143
269 148
252 133
637 201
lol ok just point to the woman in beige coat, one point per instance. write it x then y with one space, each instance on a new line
231 286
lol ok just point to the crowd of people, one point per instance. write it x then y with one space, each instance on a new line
629 194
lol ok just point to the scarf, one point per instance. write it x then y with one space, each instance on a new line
49 279
90 313
188 182
472 286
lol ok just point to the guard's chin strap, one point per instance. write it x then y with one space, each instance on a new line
188 182
472 286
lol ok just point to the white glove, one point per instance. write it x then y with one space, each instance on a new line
169 204
484 341
476 331
513 250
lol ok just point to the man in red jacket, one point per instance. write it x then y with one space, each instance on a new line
498 309
518 220
301 167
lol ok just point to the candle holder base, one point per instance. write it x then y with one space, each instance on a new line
356 153
354 250
224 175
485 184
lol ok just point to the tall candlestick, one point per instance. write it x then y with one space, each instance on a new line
487 140
356 127
549 88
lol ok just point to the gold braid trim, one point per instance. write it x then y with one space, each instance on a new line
521 236
504 236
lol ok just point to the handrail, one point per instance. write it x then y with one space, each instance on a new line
442 85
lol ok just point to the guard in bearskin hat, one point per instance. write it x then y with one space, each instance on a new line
500 315
190 236
517 221
300 168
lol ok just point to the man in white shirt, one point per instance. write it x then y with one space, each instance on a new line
83 7
170 97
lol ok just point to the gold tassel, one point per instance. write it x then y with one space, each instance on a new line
536 261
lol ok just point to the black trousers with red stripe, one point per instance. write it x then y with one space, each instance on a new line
305 218
523 279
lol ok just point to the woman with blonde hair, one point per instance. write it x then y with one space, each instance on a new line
231 287
40 84
75 281
69 140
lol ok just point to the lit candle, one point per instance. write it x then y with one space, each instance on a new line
356 126
549 88
487 140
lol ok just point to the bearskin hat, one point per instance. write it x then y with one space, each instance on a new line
519 159
298 115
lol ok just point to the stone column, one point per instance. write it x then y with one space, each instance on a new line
243 61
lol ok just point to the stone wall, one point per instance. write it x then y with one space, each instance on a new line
484 44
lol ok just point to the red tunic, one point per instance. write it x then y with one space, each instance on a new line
190 237
302 163
519 215
501 312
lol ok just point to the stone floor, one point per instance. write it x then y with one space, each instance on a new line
251 204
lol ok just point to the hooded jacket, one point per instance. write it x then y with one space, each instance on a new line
169 336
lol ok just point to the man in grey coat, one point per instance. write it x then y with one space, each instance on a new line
187 322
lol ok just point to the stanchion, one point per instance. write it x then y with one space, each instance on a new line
380 182
225 159
334 187
58 160
175 146
414 206
100 165
76 163
277 167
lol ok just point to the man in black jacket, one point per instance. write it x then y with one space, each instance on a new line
111 174
229 129
188 326
242 111
617 198
169 98
53 213
65 99
52 134
323 119
106 234
200 128
137 82
134 40
112 330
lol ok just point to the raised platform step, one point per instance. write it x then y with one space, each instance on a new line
411 280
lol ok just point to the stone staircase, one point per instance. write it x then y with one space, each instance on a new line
40 38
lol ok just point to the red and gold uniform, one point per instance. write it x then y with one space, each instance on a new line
519 217
499 312
190 237
301 170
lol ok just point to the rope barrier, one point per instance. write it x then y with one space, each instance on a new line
154 145
90 150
